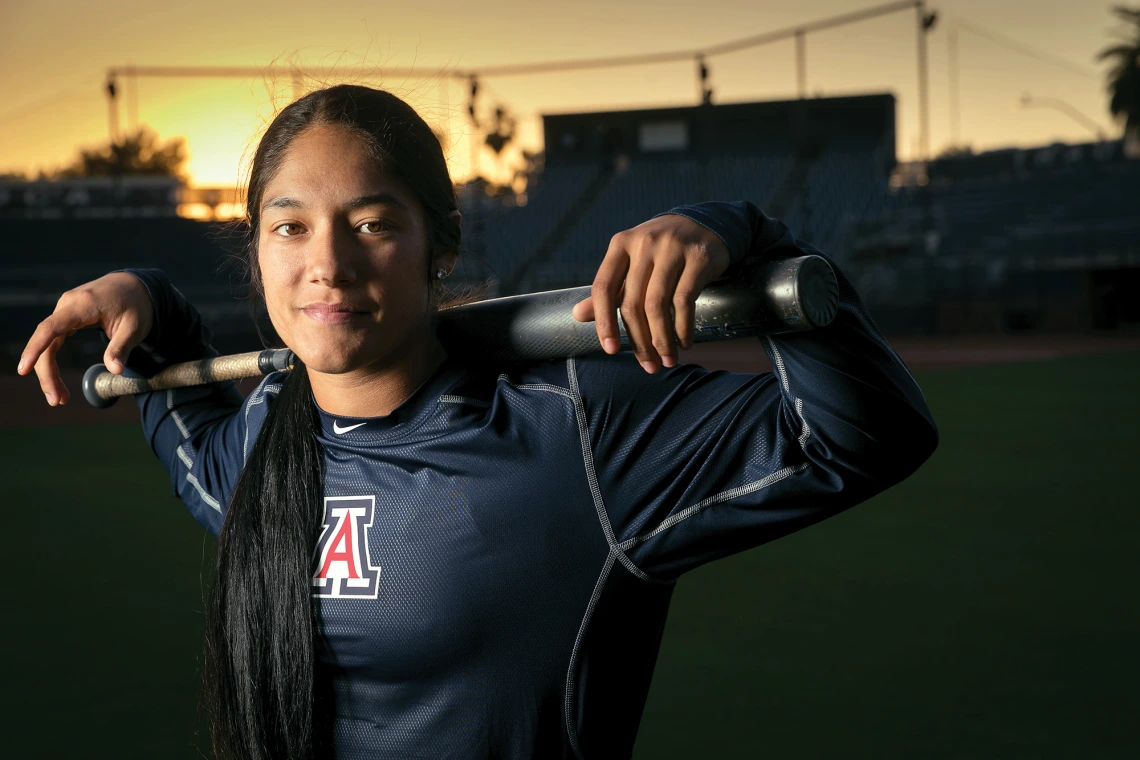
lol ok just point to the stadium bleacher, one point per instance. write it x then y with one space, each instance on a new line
42 258
1053 222
848 181
647 186
511 233
1065 211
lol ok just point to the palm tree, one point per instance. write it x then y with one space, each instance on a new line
1124 76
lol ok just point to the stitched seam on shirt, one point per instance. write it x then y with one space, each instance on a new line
568 701
779 363
719 498
747 488
450 399
588 460
186 460
592 477
174 413
254 399
257 397
805 431
202 492
536 387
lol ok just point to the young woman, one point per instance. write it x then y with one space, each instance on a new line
422 557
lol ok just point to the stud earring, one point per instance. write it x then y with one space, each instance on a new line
439 274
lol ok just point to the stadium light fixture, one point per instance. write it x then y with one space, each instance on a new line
112 90
703 80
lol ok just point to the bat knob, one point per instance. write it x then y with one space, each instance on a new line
93 398
818 291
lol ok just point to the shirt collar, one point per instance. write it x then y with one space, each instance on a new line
411 412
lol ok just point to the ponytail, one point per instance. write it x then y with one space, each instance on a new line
259 680
262 692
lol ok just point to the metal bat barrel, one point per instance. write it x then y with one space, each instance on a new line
769 297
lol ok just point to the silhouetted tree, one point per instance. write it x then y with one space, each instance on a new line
502 130
956 151
136 154
1124 76
527 172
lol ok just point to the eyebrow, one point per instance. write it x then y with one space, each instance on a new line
375 199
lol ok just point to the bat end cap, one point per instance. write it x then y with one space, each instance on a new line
89 392
818 291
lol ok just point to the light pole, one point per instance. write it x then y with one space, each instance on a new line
801 63
112 90
955 113
1028 101
926 22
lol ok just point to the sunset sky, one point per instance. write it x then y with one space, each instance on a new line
54 55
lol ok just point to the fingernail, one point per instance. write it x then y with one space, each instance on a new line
668 361
610 345
50 398
20 366
649 367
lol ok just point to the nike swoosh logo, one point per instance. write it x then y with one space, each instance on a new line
338 429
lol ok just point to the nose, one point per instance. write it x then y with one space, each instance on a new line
331 259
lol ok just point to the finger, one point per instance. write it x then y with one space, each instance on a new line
658 307
47 370
633 313
685 303
583 311
46 331
121 338
74 309
605 293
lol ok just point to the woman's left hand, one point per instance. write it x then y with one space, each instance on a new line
655 271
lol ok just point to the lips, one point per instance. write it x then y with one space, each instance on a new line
333 313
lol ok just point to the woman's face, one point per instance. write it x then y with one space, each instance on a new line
344 256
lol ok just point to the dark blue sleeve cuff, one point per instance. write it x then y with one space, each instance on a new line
177 333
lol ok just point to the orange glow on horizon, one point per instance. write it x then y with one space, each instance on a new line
55 103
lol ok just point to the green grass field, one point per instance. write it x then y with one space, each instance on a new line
985 608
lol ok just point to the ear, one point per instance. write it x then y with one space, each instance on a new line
445 261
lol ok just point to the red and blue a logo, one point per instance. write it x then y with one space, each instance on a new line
344 567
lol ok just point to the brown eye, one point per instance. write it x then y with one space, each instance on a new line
288 229
372 228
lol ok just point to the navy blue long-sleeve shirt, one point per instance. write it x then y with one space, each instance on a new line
499 552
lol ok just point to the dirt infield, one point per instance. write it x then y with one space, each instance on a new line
924 353
23 405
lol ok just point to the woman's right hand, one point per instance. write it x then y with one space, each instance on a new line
117 302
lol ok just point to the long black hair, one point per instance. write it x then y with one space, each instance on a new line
261 692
